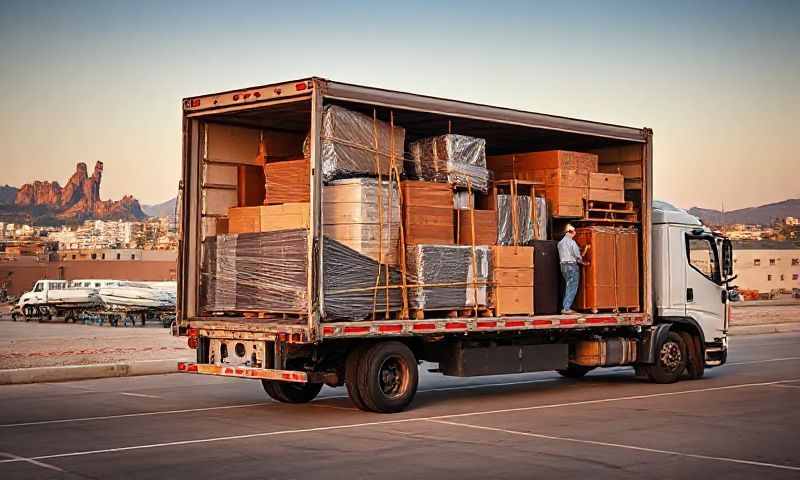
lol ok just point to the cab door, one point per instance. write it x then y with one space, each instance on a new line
706 295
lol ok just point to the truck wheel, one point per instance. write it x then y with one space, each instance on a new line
288 392
695 365
574 371
351 375
387 377
670 360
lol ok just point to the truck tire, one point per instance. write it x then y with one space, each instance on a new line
351 375
671 360
290 392
575 371
387 377
695 365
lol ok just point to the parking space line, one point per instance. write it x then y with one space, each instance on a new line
767 360
618 445
128 415
31 461
398 421
142 395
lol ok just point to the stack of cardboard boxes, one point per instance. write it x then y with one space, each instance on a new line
569 178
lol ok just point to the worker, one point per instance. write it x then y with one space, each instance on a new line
570 256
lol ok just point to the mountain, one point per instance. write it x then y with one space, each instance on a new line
47 203
164 209
7 194
763 215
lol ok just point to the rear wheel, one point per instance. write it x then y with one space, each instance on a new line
289 392
387 377
351 375
671 360
574 371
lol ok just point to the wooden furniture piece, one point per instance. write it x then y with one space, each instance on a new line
513 277
610 280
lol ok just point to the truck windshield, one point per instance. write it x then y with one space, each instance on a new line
38 287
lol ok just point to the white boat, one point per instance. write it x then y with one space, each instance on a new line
136 296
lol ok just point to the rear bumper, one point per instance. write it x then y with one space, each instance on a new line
244 372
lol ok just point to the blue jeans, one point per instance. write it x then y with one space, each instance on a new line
572 277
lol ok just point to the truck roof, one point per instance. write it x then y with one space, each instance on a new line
347 92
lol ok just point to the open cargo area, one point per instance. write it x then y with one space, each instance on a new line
318 209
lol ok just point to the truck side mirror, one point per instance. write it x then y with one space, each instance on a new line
727 258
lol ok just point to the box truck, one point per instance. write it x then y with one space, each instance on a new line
673 323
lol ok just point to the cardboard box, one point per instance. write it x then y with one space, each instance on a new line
602 195
379 244
520 166
607 181
512 293
485 227
629 170
428 194
512 257
364 216
287 181
427 213
268 218
562 178
566 201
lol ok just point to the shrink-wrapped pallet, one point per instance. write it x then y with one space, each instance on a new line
350 285
267 272
455 159
255 272
353 144
507 232
446 276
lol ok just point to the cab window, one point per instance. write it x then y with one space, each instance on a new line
38 287
702 257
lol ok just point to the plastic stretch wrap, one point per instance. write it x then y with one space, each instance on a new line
439 265
267 272
255 271
451 159
462 200
349 144
505 221
541 219
350 278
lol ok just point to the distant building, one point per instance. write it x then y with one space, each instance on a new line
791 221
767 265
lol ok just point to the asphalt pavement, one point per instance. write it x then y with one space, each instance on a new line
739 421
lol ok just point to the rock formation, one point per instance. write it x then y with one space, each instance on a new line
78 200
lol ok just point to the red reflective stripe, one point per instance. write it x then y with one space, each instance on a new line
181 366
602 320
192 367
455 325
328 330
568 321
487 324
515 323
390 328
425 326
542 322
356 329
300 86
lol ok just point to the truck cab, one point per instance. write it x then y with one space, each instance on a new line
692 271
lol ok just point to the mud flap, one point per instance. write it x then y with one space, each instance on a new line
651 340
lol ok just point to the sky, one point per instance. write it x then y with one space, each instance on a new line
718 82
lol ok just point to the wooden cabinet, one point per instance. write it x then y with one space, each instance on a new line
610 280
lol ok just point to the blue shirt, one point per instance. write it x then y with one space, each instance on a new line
568 250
